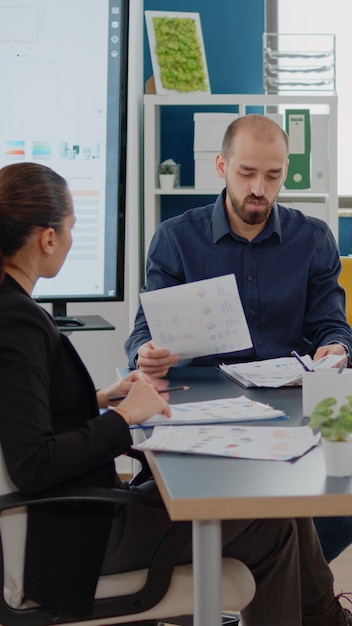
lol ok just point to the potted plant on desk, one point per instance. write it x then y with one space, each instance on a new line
336 432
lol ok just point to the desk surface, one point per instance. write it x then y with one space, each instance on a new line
202 488
208 383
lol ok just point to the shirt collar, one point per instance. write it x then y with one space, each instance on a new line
221 226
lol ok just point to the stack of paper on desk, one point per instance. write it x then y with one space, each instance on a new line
246 442
239 409
275 372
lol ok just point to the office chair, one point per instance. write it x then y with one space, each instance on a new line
345 280
162 593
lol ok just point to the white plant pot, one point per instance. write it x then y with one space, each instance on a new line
167 181
338 457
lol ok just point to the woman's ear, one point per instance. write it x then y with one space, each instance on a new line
47 240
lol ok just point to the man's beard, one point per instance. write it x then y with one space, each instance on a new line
246 215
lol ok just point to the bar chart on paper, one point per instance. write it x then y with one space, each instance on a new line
167 338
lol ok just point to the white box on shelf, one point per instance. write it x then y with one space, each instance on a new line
205 174
209 130
313 209
276 117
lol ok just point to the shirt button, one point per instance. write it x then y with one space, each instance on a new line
252 313
259 343
249 277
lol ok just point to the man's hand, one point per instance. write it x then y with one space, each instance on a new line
155 362
332 348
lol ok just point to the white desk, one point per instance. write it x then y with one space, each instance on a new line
206 490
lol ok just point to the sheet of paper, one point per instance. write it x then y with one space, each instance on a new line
246 442
277 372
199 318
238 409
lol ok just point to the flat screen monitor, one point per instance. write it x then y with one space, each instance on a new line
63 103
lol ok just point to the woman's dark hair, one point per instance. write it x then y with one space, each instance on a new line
31 196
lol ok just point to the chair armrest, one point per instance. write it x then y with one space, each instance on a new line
159 572
145 472
79 494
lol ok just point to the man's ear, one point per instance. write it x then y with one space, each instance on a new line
286 170
47 240
220 164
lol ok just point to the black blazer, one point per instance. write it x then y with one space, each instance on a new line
51 434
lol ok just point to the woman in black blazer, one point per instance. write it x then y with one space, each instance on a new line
52 433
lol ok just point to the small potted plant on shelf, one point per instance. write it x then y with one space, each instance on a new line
336 431
166 176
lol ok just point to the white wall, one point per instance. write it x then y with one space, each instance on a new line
102 351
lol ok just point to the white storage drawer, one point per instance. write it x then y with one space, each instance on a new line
209 130
205 174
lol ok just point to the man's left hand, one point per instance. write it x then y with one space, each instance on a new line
332 348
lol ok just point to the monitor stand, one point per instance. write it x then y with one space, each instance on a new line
68 323
60 315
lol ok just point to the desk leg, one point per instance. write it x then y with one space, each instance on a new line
207 573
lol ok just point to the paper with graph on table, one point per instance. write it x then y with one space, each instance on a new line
242 442
197 319
284 371
240 409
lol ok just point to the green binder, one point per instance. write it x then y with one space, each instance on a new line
298 130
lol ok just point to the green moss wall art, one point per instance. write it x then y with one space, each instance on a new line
177 51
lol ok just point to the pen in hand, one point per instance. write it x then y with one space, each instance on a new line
300 360
341 368
182 388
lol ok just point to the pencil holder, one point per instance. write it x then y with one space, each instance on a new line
326 383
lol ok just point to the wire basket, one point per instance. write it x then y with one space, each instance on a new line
293 62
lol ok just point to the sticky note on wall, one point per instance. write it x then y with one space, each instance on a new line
298 130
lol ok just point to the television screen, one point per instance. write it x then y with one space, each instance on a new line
63 103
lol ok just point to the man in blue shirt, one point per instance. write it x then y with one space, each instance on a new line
286 264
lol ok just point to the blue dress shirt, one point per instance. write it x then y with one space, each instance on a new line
286 276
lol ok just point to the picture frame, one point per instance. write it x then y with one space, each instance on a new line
177 52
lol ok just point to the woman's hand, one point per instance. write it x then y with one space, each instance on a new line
122 387
141 402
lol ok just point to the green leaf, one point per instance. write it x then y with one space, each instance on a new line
337 428
322 412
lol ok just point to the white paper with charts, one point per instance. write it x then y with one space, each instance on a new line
281 372
240 442
240 409
197 319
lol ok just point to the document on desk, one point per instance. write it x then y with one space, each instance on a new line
240 409
281 372
240 442
199 318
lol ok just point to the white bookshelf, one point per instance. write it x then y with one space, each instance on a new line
306 200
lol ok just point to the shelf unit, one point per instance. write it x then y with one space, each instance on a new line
152 134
